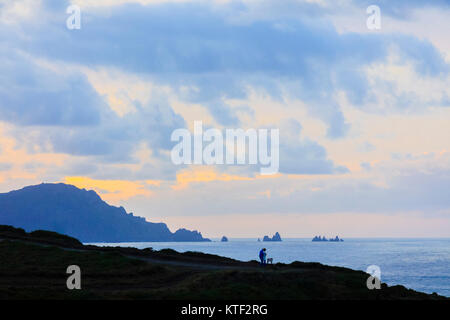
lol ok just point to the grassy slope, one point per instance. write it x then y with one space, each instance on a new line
32 268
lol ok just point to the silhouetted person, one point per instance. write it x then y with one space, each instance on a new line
262 256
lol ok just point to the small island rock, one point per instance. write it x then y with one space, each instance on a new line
276 237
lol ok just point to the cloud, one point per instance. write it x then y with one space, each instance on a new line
4 166
55 109
402 9
112 191
204 58
34 95
110 149
202 175
303 156
387 189
193 45
98 105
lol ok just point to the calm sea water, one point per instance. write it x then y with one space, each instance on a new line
420 264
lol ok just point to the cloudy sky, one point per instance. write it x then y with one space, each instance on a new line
363 114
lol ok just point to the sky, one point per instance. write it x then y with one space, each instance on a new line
363 114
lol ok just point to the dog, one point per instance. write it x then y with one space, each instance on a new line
270 260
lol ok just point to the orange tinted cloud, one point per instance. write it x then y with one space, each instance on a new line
185 177
205 174
25 167
112 191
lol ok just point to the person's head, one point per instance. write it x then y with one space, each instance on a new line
264 249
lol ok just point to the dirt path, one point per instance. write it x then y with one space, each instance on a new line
204 265
179 263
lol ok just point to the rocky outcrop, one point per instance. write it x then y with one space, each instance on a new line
276 237
319 238
81 214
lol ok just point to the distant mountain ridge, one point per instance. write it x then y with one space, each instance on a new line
81 214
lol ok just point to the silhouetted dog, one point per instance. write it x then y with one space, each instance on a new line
270 260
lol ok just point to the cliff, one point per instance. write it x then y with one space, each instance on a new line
81 214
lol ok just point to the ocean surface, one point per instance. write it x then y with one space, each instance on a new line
419 264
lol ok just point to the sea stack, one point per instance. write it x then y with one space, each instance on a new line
224 239
319 238
276 237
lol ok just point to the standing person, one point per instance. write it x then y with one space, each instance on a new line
262 256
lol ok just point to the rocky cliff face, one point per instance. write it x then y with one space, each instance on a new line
82 214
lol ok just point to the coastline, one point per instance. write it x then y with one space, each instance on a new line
124 273
416 263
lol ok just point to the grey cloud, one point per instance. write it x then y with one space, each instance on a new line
192 45
302 156
33 95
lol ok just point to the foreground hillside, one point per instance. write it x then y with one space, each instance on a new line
82 214
34 266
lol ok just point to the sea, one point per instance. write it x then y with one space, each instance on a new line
419 264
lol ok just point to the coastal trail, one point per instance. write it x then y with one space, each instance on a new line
176 262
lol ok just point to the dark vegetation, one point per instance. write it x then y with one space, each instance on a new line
33 266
